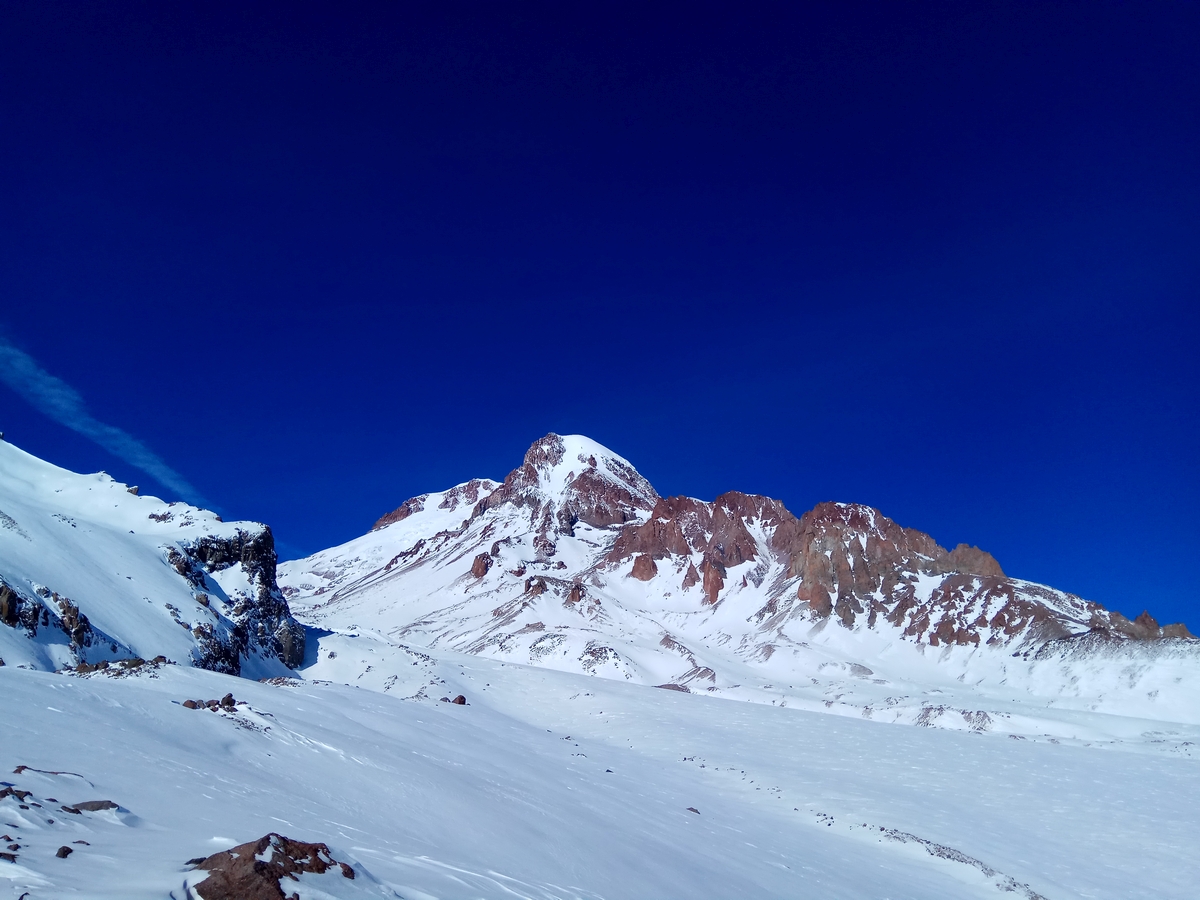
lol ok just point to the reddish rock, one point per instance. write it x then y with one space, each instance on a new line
481 565
643 567
265 869
460 700
714 580
402 512
466 495
691 576
591 496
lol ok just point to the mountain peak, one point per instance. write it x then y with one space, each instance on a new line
567 479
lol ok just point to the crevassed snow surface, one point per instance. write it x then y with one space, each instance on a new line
555 785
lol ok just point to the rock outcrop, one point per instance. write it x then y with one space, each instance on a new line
260 616
575 561
268 869
92 573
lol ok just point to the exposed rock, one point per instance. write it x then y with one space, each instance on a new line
10 605
467 495
402 512
481 565
64 852
460 700
265 869
838 565
93 806
262 619
643 567
1143 628
598 496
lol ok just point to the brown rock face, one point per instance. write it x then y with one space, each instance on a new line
1143 628
644 568
855 563
265 869
481 565
852 562
591 496
402 512
10 603
463 495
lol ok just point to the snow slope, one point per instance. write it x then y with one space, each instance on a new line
555 785
90 573
575 563
1061 762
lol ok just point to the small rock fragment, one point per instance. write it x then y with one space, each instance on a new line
190 704
95 805
460 700
64 852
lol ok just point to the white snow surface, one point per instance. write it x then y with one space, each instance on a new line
411 582
867 766
88 541
555 785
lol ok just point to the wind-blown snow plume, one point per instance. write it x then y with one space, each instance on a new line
57 400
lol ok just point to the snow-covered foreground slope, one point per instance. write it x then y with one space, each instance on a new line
575 563
91 573
555 785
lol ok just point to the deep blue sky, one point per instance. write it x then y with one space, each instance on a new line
938 258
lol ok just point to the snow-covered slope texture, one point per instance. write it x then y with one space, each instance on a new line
553 786
92 573
574 562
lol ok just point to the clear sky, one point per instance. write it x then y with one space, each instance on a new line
303 261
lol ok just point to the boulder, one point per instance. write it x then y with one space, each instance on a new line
265 869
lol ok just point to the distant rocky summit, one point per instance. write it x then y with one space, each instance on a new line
575 561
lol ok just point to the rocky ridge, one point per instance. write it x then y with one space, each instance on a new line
575 561
91 572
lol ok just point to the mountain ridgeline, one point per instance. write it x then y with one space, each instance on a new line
574 561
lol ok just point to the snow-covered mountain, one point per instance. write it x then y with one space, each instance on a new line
574 562
346 777
91 573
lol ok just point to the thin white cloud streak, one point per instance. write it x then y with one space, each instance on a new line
57 400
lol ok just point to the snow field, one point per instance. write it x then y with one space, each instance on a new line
512 795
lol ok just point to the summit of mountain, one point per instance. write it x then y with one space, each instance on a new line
575 562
